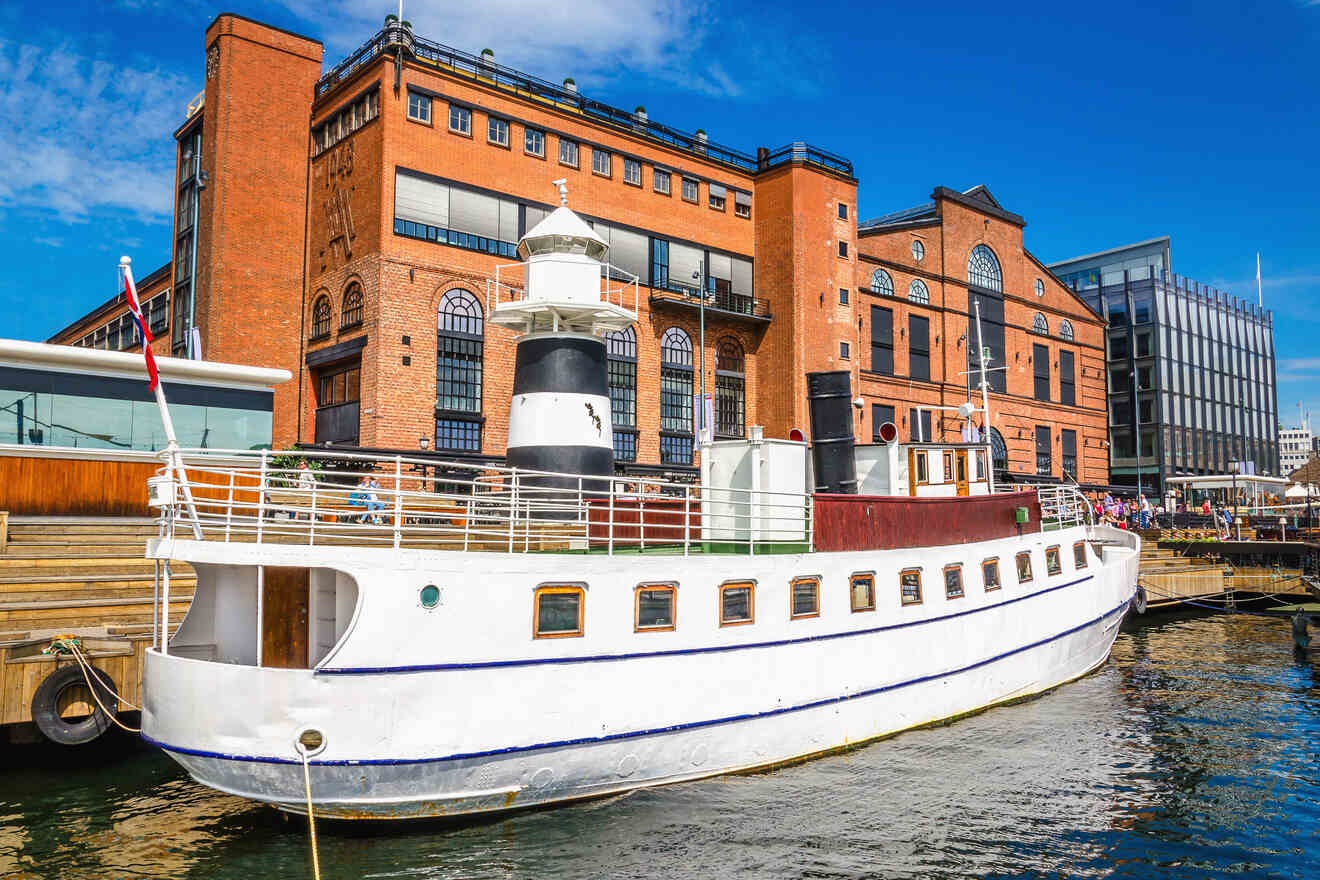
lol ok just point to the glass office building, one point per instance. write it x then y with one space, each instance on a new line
1191 370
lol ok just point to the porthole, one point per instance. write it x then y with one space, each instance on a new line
429 596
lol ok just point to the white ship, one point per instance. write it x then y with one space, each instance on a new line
491 638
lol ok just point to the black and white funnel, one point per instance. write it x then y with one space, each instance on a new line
560 417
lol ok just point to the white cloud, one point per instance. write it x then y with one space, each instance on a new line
83 136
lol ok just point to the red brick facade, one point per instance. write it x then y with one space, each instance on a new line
289 217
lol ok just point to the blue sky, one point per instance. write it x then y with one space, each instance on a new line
1199 120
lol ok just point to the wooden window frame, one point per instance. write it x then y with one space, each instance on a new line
559 589
904 600
750 586
637 605
792 589
999 577
1058 557
948 466
460 110
852 582
1018 568
921 461
1079 559
962 583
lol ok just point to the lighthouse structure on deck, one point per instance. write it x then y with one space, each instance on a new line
560 418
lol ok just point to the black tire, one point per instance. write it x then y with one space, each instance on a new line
45 706
1139 600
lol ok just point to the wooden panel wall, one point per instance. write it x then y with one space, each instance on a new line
284 598
868 522
74 487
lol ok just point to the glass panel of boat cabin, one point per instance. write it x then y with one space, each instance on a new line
990 574
806 597
1079 555
909 582
862 587
736 604
558 611
1023 567
655 607
1053 564
953 583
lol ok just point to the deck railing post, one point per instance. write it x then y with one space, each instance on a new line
261 497
641 519
398 500
165 612
687 517
229 508
513 504
610 537
311 525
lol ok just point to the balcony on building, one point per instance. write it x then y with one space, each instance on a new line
720 302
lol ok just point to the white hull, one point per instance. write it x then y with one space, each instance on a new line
424 716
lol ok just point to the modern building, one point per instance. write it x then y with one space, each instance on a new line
1191 369
1296 446
355 228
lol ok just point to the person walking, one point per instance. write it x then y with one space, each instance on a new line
1144 512
374 504
306 483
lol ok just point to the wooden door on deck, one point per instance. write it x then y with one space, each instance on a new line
284 610
960 471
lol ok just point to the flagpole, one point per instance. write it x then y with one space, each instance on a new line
1260 297
174 460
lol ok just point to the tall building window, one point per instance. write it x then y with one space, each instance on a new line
998 451
632 172
689 190
419 107
321 317
1066 330
497 131
881 283
730 390
1040 324
918 293
882 340
1044 463
880 414
460 340
534 142
1068 450
601 162
460 119
675 397
1040 362
983 269
1067 379
920 425
621 362
660 263
568 152
717 196
918 347
351 314
660 181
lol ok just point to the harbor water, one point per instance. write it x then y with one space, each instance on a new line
1195 752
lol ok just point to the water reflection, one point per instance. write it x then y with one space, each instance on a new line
1190 755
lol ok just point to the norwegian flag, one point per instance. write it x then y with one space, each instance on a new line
130 293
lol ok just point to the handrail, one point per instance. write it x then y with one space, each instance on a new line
1063 506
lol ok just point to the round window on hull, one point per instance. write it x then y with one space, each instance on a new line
430 596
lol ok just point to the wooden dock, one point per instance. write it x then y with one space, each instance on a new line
1192 567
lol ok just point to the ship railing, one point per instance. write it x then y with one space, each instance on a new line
618 287
316 497
1062 507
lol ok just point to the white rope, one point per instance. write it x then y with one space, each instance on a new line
311 822
91 687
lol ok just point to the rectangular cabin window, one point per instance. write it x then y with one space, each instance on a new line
737 604
862 588
909 584
990 574
558 612
923 471
1053 564
948 467
953 582
806 597
980 465
1024 566
655 605
1079 554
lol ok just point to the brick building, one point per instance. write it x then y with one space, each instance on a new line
357 217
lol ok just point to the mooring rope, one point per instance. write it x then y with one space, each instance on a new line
311 822
1196 604
71 645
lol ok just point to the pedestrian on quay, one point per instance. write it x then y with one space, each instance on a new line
1144 512
374 504
306 483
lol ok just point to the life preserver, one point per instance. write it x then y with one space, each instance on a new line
1139 600
45 706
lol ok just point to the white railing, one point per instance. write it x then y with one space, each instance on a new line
1063 506
619 288
268 497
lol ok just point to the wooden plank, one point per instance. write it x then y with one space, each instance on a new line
284 614
75 487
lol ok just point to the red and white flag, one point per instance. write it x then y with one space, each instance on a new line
130 293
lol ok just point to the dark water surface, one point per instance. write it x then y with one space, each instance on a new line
1194 753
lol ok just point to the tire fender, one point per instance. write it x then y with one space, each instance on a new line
45 706
1139 600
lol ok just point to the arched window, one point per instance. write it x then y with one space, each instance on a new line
1040 325
351 314
917 291
621 361
321 317
730 390
1040 287
1066 329
998 451
983 269
676 397
459 354
881 283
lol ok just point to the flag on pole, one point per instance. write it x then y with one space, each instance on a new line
130 293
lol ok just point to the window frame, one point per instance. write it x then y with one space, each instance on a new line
918 250
491 123
814 580
323 317
852 591
696 190
429 104
1079 558
843 351
903 599
556 589
843 210
921 461
843 296
1017 565
463 113
607 162
843 249
577 153
529 131
962 583
655 586
635 164
999 580
658 174
716 203
1058 560
748 585
947 460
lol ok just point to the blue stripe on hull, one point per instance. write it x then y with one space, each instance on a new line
716 649
711 722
